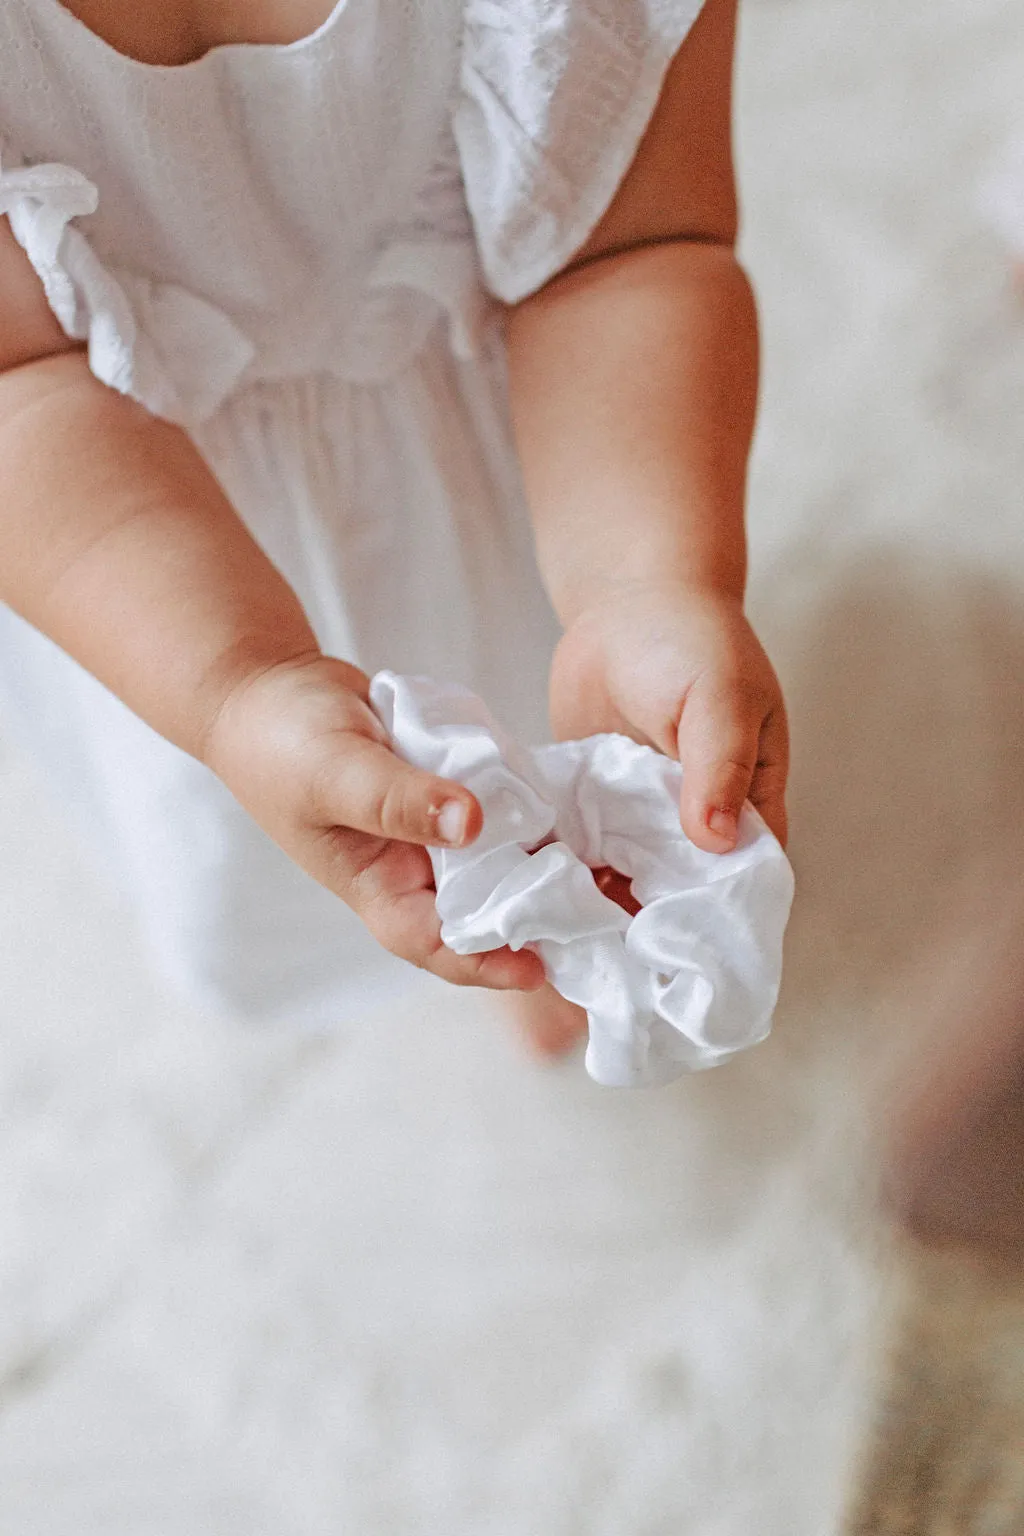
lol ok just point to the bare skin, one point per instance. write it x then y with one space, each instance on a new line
173 35
633 384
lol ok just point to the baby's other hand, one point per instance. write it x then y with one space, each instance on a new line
684 671
299 746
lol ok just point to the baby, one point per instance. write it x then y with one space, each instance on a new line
407 336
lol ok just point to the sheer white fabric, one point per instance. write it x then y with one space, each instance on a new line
273 247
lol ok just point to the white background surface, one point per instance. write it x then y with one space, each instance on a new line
405 1281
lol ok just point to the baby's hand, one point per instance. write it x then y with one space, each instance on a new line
300 748
684 671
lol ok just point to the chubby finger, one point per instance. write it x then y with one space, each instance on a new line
719 735
362 784
768 787
409 927
389 885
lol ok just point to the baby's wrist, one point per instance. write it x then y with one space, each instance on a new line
234 687
686 590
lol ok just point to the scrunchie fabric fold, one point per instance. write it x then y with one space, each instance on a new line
693 977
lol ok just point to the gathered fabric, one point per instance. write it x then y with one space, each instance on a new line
689 980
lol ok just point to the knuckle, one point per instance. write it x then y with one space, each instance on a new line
354 865
732 769
727 723
392 925
395 806
727 784
333 859
445 963
453 971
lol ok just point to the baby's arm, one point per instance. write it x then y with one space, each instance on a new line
634 382
118 543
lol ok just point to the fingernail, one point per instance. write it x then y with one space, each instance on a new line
451 822
724 824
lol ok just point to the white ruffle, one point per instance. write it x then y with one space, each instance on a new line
175 353
556 96
688 981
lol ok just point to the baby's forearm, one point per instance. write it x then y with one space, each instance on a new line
118 543
634 387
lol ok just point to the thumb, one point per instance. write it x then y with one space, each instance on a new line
372 790
718 751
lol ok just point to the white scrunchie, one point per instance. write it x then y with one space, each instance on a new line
688 981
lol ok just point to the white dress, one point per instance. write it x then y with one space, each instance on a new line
293 252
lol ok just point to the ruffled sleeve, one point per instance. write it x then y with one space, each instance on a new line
169 349
555 97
